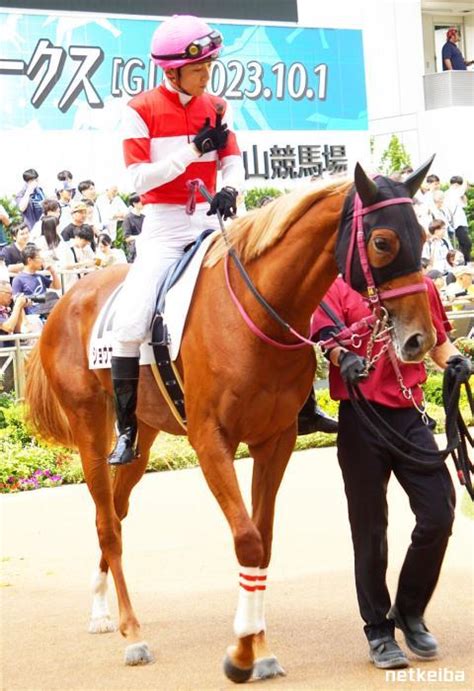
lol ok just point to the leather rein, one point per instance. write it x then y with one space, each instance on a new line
378 325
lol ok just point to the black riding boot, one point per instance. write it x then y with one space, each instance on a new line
125 380
313 419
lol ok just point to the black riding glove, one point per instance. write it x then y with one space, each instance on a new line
460 366
224 202
353 367
211 138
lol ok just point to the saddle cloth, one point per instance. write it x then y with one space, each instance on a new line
176 306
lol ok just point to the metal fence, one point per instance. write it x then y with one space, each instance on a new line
13 357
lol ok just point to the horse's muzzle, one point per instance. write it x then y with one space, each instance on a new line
416 346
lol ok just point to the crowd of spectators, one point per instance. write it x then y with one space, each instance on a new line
65 236
60 238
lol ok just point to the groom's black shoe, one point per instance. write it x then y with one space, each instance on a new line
417 637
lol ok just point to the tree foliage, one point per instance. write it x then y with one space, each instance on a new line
395 157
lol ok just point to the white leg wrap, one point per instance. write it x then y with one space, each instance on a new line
100 607
250 615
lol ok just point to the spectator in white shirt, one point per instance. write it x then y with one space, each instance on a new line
107 254
436 247
88 194
76 255
51 209
111 208
455 201
49 241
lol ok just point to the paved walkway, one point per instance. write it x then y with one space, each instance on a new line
181 573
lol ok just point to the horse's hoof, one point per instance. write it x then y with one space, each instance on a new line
138 654
267 668
101 625
236 674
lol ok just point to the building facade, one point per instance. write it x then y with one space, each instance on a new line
313 87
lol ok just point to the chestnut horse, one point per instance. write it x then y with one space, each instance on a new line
237 388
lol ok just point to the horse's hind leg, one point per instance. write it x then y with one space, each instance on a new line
92 434
126 477
270 461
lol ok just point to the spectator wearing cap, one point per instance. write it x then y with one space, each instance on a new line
51 209
30 198
78 220
111 209
132 225
463 284
65 194
452 57
13 253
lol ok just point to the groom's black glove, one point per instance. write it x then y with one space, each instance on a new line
353 367
460 366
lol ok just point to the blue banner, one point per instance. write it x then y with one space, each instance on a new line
73 73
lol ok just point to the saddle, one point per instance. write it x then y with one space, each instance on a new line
162 347
166 373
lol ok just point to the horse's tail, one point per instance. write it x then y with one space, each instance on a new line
44 412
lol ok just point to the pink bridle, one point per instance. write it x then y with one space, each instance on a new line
375 297
357 236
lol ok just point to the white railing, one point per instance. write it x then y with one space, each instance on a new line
14 356
449 88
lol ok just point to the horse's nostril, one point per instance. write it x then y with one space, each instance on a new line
414 343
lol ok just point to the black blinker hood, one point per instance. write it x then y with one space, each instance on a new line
400 218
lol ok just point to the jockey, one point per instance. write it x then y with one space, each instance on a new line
172 134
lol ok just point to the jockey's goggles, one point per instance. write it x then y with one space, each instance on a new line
200 47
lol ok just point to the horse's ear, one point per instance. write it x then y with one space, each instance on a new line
366 188
413 181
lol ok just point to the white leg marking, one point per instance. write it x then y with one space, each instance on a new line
100 621
250 615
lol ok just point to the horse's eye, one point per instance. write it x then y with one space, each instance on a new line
381 244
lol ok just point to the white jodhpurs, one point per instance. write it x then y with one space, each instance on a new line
167 230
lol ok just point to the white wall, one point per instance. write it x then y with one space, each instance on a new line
451 128
393 73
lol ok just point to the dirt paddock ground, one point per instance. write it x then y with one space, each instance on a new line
182 577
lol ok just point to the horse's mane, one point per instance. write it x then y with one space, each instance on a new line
261 228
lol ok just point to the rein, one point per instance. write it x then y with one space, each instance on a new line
357 234
377 323
303 341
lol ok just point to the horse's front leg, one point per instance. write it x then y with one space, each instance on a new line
216 457
252 651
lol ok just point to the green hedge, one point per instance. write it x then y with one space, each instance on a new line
27 463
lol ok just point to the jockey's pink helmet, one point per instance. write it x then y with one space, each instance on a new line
183 39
